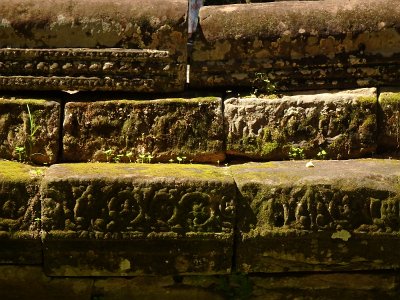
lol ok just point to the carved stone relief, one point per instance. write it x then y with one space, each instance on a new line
89 69
324 208
109 211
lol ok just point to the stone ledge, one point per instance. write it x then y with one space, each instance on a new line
90 70
23 282
341 123
137 219
149 36
103 219
338 215
19 214
389 119
126 24
20 139
133 130
298 45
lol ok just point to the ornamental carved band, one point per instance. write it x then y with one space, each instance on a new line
118 211
90 69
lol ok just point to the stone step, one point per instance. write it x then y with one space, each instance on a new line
297 45
103 219
96 45
29 282
135 219
317 124
127 130
342 124
338 215
90 69
293 44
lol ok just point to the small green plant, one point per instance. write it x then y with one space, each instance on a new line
21 153
149 157
296 153
181 159
262 85
322 154
129 155
117 158
33 128
108 154
145 158
141 158
32 123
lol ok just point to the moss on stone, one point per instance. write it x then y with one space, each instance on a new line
265 144
268 148
174 171
367 100
163 128
184 101
23 101
17 172
389 98
369 121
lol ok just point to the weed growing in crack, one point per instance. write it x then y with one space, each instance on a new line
322 154
296 153
21 152
25 152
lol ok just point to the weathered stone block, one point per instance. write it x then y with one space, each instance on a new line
339 215
362 285
131 219
29 130
389 125
157 287
90 69
144 131
29 282
298 45
19 214
343 124
130 45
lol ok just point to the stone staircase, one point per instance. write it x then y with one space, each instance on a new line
269 172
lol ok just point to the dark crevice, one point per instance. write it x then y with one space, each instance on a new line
61 130
224 125
379 121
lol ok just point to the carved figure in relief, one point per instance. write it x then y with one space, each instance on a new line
199 212
305 211
161 209
273 213
112 209
319 208
194 211
9 209
10 215
323 219
83 207
390 210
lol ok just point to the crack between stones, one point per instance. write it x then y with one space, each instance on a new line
60 153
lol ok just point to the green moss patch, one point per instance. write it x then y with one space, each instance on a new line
14 171
174 171
389 98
